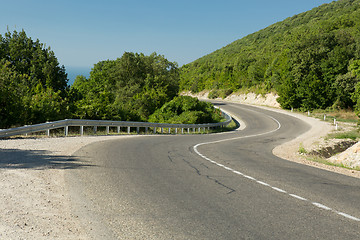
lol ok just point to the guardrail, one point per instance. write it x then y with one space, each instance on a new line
46 127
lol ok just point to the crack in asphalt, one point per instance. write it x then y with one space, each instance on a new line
231 190
221 184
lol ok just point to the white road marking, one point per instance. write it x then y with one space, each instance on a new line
251 178
348 216
319 205
263 183
298 197
279 189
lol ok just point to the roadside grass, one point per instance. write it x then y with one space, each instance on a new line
341 115
302 150
353 135
326 162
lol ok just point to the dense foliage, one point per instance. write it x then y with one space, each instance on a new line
33 87
32 84
129 88
309 59
185 109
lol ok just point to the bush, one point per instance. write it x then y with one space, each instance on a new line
186 110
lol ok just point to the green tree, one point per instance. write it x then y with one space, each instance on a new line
129 88
10 103
32 84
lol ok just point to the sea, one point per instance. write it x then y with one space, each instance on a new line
72 72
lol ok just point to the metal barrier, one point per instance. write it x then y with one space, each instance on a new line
46 127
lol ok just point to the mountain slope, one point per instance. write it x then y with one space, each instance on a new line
308 59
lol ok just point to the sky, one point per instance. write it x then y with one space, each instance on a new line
82 33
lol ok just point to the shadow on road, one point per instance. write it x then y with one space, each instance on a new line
37 159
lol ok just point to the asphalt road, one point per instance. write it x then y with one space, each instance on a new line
217 186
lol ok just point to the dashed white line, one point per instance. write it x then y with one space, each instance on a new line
263 183
279 189
319 205
348 216
298 197
249 177
238 173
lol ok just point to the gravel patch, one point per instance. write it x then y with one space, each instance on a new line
34 200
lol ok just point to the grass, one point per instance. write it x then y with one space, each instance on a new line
302 150
353 135
326 162
341 115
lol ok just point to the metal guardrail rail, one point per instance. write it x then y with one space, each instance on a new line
46 127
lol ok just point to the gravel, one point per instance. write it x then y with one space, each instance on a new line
34 200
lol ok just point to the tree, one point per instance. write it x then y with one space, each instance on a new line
32 84
129 88
10 103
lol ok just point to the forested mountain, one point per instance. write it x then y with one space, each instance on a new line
311 60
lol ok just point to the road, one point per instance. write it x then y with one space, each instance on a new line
217 186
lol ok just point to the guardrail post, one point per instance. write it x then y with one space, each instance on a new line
188 130
66 130
137 130
81 130
128 130
193 130
118 129
182 130
154 129
95 129
146 130
48 132
162 130
169 130
107 129
176 130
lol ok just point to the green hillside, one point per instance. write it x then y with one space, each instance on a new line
311 60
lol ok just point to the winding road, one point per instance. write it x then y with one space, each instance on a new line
216 186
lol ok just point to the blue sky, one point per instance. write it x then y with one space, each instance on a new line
82 33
